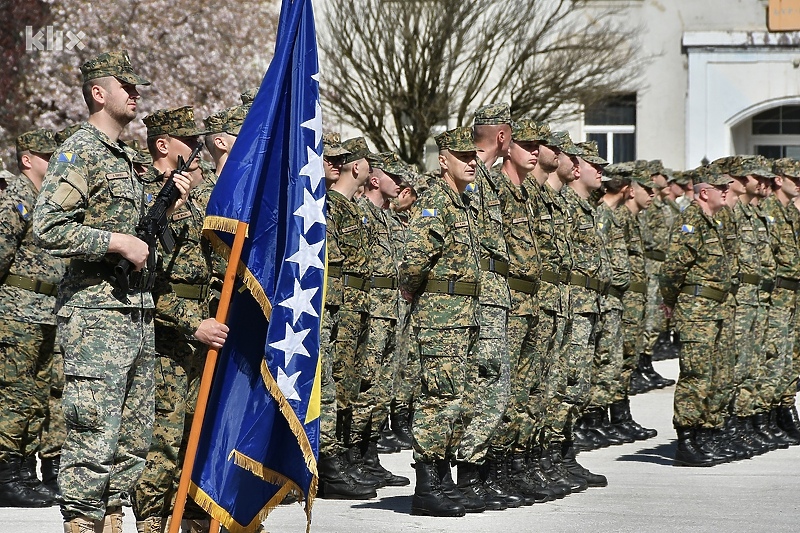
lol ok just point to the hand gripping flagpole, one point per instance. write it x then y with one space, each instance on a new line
205 383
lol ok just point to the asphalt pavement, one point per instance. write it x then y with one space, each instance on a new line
645 493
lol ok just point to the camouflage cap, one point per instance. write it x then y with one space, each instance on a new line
492 115
591 154
228 120
248 96
655 167
669 174
141 155
66 133
332 145
356 149
637 171
525 130
177 122
389 162
617 171
41 141
725 163
456 140
786 166
116 64
567 146
411 176
741 166
712 174
558 139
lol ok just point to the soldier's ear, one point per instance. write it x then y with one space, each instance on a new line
442 161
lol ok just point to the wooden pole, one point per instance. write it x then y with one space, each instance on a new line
205 383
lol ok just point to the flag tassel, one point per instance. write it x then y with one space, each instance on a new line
205 383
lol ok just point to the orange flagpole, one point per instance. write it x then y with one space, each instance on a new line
205 383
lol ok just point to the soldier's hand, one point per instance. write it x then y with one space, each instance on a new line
183 181
405 295
666 310
131 248
212 333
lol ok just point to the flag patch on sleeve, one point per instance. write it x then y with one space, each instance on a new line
67 157
430 212
687 228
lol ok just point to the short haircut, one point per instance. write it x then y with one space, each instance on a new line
616 184
86 89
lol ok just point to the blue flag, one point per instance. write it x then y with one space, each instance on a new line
260 437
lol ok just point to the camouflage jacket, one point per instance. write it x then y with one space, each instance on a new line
442 246
748 248
520 236
658 218
612 232
633 237
90 191
20 256
696 256
383 300
348 239
784 227
730 240
485 207
762 221
588 253
188 264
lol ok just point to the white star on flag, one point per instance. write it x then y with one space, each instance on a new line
315 77
315 124
311 210
286 384
307 255
292 344
300 302
313 169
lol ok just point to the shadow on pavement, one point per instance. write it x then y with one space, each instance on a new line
398 504
662 454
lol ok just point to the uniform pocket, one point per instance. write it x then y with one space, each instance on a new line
82 403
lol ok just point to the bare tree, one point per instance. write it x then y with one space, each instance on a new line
396 69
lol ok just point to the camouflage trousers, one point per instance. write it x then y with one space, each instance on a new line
26 360
779 347
377 378
788 397
575 387
632 317
349 356
108 406
489 393
748 352
549 350
607 358
406 382
178 370
441 411
695 404
328 444
557 371
54 431
655 321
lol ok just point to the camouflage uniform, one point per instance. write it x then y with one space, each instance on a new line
656 223
769 369
696 278
181 294
89 192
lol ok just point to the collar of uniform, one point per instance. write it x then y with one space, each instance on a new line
519 191
105 139
28 183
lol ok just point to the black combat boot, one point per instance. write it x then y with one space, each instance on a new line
704 438
688 453
612 431
471 503
580 436
621 417
762 426
664 348
777 430
578 484
470 484
429 499
570 462
655 378
14 492
495 480
788 421
537 473
358 471
50 468
387 442
336 484
401 426
736 437
599 426
763 437
373 465
27 472
533 490
749 436
722 441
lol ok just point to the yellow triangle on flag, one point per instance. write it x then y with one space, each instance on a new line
314 402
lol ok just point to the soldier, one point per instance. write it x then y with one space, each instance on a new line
685 194
87 210
222 129
181 293
440 273
695 281
29 280
332 157
5 176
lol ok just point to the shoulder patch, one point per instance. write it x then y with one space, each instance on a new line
430 212
148 198
364 220
470 187
770 219
687 228
23 211
67 157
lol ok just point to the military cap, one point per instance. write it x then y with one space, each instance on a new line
591 154
456 140
228 120
712 174
356 149
655 167
741 166
635 171
786 166
41 141
492 115
141 155
567 146
618 171
389 162
558 139
66 133
248 96
332 145
669 174
116 64
177 122
525 130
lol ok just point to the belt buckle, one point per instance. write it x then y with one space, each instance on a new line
451 287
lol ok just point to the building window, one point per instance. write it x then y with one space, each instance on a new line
612 125
776 132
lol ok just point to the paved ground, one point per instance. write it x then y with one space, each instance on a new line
645 494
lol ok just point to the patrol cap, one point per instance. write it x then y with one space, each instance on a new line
617 171
356 149
248 96
228 120
683 177
741 166
492 115
527 130
66 133
726 163
786 166
389 162
41 141
567 146
456 140
116 64
655 167
141 156
636 171
177 122
411 176
712 174
332 145
591 154
558 139
669 174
